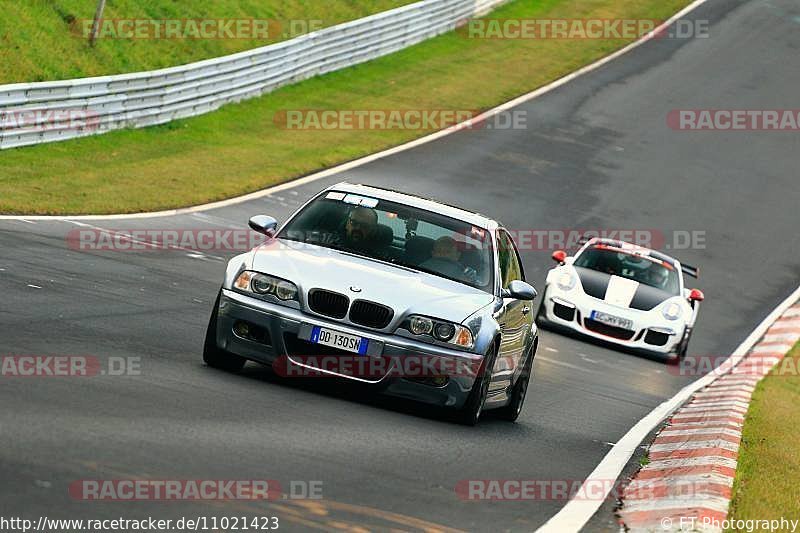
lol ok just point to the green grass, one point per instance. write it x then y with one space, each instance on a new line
41 39
767 484
239 149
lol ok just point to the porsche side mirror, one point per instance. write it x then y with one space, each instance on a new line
263 224
696 295
519 290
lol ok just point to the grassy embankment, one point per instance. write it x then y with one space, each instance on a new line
767 484
240 149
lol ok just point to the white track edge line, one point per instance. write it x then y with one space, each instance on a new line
379 155
574 515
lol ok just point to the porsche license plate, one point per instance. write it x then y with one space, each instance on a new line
611 320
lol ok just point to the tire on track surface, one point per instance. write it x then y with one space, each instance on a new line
518 393
213 355
471 412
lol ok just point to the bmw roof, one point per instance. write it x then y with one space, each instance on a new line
419 202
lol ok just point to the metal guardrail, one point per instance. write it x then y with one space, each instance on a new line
155 97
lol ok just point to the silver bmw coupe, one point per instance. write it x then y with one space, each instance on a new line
415 298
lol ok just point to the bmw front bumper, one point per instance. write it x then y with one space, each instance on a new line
278 332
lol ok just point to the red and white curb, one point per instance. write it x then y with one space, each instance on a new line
687 484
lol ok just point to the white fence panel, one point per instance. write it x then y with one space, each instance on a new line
155 97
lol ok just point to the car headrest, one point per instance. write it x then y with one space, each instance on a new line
471 257
418 249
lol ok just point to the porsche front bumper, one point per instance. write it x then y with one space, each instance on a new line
649 330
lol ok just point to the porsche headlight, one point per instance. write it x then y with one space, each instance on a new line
264 284
441 330
565 281
672 311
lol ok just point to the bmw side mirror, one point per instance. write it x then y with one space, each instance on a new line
263 224
519 290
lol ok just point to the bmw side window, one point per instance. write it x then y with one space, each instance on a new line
510 267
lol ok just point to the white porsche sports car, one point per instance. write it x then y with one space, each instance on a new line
624 294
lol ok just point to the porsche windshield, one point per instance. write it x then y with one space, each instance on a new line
398 234
646 270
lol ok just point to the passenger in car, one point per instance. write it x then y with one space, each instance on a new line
445 258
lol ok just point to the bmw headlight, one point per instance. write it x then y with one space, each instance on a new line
440 330
264 284
672 311
565 281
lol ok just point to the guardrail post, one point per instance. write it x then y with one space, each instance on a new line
98 16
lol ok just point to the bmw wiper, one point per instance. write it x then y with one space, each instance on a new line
383 261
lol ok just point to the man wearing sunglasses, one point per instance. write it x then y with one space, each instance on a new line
360 228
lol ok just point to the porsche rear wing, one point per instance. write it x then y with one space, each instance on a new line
690 270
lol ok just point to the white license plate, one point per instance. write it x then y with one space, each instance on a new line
337 339
611 320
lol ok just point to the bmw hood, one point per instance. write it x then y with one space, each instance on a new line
621 291
404 290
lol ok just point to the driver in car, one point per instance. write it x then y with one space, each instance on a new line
656 276
361 234
360 228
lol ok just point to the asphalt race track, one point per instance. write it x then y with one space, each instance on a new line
597 153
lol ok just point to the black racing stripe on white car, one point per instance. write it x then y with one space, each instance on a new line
594 282
647 297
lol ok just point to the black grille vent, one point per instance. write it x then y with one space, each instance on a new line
328 303
611 331
370 314
563 312
656 338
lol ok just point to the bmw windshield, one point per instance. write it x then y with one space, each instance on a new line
397 234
